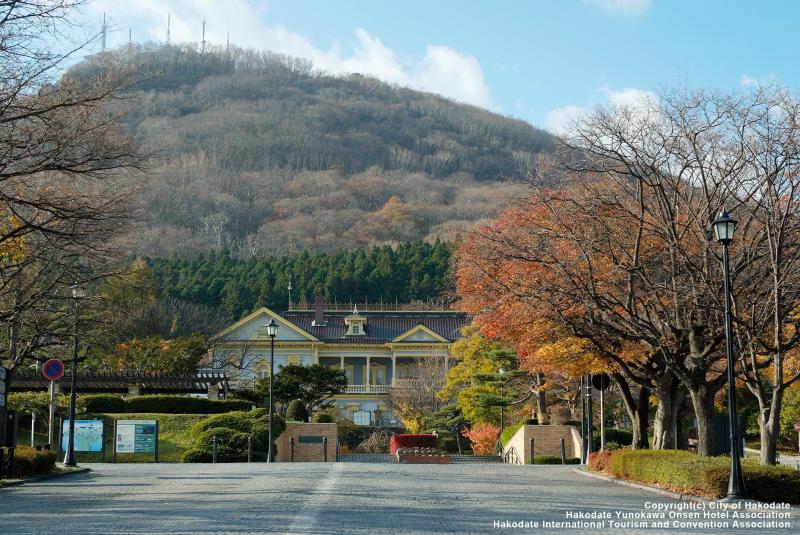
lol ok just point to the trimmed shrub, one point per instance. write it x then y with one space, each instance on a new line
554 459
232 430
196 456
598 460
296 411
323 418
688 473
619 436
98 403
184 405
29 462
412 441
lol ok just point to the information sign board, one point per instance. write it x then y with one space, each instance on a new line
136 436
310 439
88 435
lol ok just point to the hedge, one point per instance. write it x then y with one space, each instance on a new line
412 441
29 462
101 403
685 472
163 404
232 430
554 459
184 405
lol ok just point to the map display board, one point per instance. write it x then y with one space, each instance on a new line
136 436
88 435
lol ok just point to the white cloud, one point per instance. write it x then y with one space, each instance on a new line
630 8
559 121
441 70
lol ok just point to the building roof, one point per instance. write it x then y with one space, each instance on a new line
381 327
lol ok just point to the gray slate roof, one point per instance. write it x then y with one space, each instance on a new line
381 327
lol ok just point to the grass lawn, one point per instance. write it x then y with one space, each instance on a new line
173 438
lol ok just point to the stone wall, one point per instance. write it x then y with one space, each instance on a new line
308 449
547 441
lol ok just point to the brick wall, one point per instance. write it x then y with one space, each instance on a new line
547 441
306 452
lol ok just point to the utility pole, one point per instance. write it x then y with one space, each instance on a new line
203 42
228 37
169 19
105 30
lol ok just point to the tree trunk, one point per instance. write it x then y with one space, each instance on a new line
662 437
638 411
703 403
769 426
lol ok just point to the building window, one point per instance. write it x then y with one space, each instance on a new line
261 370
377 374
356 328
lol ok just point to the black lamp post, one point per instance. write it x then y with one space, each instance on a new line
69 457
272 331
724 227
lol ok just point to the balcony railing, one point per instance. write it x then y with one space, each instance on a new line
367 389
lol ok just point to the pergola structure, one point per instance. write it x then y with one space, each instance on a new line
97 382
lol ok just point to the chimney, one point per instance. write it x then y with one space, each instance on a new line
319 312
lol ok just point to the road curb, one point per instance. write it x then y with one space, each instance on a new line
44 477
654 490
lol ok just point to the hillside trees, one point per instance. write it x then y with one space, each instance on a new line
261 155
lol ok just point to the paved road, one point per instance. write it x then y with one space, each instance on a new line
319 498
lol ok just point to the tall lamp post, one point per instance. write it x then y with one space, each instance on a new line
272 331
724 227
69 457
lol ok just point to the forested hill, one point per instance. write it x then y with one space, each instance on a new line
262 155
416 271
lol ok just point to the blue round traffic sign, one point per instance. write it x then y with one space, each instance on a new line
53 369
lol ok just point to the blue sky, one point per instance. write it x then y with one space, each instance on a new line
541 61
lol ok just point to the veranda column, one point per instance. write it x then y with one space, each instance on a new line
394 366
367 379
341 362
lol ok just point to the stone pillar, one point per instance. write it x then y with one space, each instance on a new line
133 391
213 392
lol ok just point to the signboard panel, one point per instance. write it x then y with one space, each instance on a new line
88 435
310 439
136 436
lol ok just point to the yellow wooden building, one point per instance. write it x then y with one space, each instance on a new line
377 349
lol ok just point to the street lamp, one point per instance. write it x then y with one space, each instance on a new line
724 227
69 457
272 331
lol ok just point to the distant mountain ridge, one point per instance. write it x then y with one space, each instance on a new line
261 155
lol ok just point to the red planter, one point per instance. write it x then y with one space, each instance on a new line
412 441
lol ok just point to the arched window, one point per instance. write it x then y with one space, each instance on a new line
261 369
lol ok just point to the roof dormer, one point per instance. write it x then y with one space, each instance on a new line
356 323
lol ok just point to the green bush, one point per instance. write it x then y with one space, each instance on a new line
296 411
554 459
29 462
323 418
618 436
100 403
183 405
195 455
688 473
232 430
